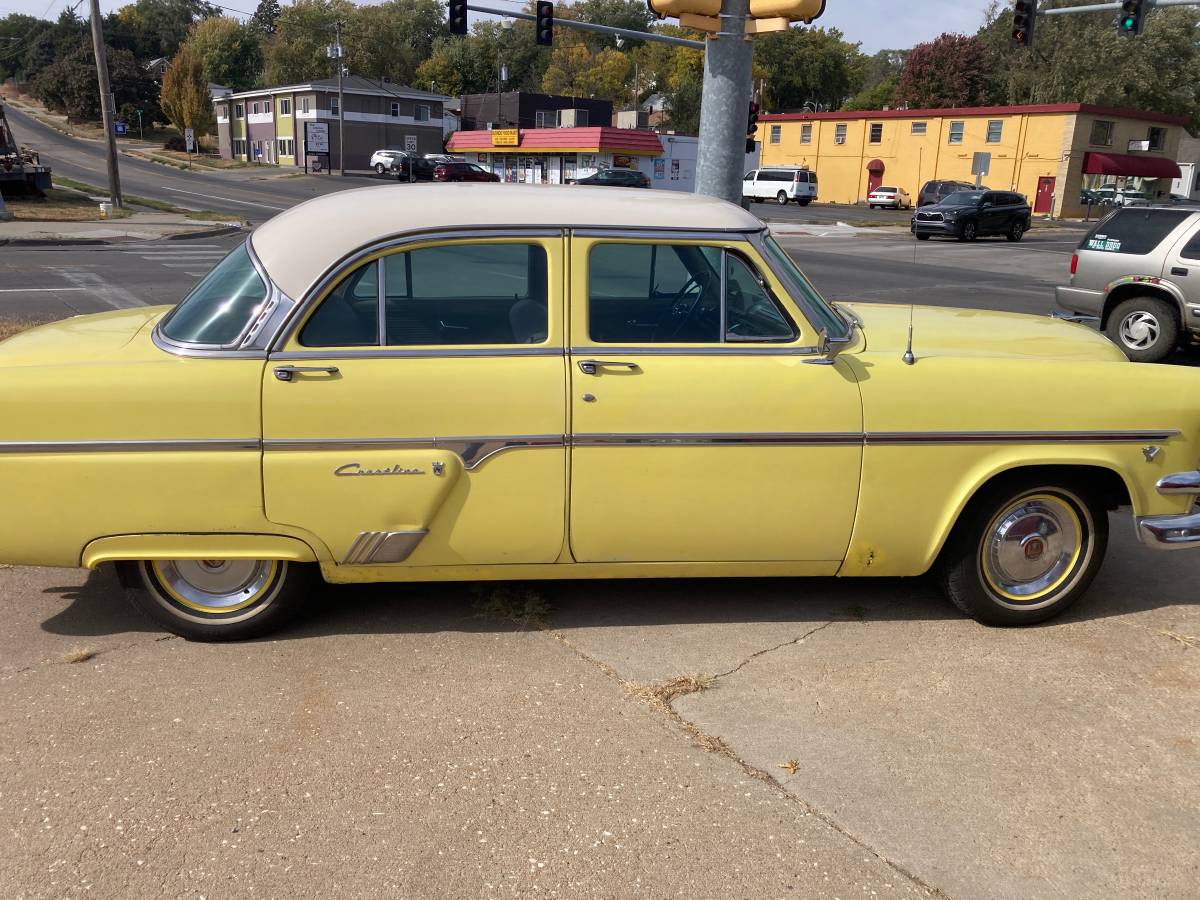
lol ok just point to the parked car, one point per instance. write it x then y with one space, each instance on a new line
444 157
413 168
434 399
967 215
1137 272
937 191
894 197
462 171
781 184
383 160
617 178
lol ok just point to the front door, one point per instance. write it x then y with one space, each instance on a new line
874 179
1044 201
700 429
432 434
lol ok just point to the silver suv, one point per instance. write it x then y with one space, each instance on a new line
1138 272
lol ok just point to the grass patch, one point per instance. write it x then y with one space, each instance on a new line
59 206
504 603
151 203
664 693
186 161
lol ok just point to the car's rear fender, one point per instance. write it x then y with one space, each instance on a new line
1128 286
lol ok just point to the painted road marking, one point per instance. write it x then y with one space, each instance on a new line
33 290
109 294
229 200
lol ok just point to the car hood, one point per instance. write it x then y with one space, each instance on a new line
79 339
944 332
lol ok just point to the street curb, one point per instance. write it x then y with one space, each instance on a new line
84 242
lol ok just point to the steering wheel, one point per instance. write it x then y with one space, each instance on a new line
683 308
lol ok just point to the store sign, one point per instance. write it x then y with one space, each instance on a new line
1138 145
505 137
316 137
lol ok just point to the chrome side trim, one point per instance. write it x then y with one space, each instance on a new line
1179 483
419 353
704 440
376 547
197 350
1170 532
714 350
1016 437
473 451
659 234
166 446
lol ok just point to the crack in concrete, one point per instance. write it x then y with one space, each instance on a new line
713 744
753 656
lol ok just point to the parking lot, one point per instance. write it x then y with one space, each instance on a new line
727 738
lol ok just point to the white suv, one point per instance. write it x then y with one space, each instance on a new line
781 184
383 160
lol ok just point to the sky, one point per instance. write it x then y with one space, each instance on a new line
878 24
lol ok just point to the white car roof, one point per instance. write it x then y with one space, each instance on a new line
299 245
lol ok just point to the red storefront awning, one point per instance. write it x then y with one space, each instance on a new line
1127 164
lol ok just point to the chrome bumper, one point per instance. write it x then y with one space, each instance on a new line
1173 532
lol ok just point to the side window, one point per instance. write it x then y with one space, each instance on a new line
750 312
749 176
466 294
670 293
991 199
349 314
1191 250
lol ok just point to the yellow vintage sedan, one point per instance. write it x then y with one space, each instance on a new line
466 382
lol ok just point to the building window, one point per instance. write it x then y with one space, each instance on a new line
956 132
876 133
239 148
545 118
806 134
920 127
995 129
333 106
422 112
1158 138
304 104
775 130
1102 133
254 108
394 111
285 147
839 133
285 107
239 111
266 106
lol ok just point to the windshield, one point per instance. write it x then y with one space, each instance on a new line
963 198
824 315
221 306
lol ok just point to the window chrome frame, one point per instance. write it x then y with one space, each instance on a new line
758 240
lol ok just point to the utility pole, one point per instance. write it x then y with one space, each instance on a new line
723 114
106 104
338 53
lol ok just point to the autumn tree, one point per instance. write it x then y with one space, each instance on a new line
230 52
393 38
951 70
303 31
808 65
185 98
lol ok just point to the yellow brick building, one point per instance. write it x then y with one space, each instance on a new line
1049 153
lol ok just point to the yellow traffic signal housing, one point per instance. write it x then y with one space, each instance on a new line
793 10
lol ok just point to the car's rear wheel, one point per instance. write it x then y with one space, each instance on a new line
1016 231
217 599
781 198
805 202
1146 328
1024 551
968 231
380 168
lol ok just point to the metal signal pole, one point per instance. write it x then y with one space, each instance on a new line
106 104
338 54
724 112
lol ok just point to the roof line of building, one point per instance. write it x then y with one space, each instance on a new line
968 111
377 87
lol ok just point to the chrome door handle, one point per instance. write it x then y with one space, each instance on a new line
591 366
287 373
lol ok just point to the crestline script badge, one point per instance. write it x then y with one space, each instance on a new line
357 469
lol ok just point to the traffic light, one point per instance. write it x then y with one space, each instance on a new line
1024 15
1131 18
794 10
752 119
458 16
545 23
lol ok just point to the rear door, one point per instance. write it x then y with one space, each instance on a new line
416 416
1182 269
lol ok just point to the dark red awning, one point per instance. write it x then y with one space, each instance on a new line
875 165
1127 164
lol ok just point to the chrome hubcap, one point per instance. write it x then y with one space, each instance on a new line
1139 330
1032 546
216 584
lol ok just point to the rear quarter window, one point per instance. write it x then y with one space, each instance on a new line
1133 231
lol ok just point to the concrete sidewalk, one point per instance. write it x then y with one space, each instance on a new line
141 226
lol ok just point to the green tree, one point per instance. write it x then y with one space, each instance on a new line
266 14
185 98
18 32
471 64
631 14
229 51
69 84
154 28
951 70
393 38
877 77
808 65
303 31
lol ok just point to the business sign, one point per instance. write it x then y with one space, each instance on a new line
505 137
1138 145
981 164
316 137
120 128
189 138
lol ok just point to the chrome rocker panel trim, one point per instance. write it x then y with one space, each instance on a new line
1170 532
375 547
157 446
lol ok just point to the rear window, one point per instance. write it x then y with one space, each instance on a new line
885 190
1134 231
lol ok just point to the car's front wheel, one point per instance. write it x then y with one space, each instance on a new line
968 231
1146 328
380 168
922 237
1024 551
217 599
1016 231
